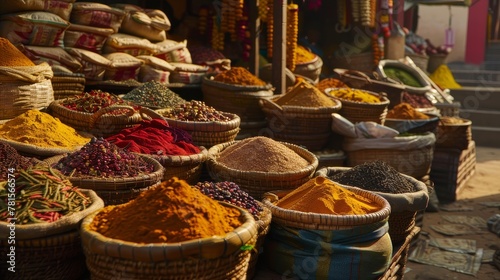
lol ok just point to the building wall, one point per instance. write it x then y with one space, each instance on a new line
433 21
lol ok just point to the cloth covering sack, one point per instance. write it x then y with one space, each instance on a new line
94 64
321 246
173 51
146 23
187 73
24 88
154 69
86 37
61 8
97 15
123 67
132 45
33 28
52 55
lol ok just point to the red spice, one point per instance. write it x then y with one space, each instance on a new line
155 137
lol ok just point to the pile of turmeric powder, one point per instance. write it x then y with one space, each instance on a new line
304 55
11 56
307 95
352 94
404 111
323 196
443 77
170 212
41 129
239 76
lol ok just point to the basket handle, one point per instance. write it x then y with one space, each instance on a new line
97 115
269 103
356 74
149 114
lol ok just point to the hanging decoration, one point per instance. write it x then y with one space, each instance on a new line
270 29
292 33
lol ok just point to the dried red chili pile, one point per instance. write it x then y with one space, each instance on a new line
155 137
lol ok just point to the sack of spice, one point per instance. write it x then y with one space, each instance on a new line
346 222
146 23
123 67
155 69
128 44
61 8
86 37
183 234
173 51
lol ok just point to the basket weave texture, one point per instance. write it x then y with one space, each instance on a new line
360 62
185 167
37 151
237 99
263 226
311 69
256 183
454 135
208 258
67 84
414 126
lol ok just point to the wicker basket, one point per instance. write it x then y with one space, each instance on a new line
38 152
404 207
311 69
436 60
420 60
415 125
67 84
454 135
118 190
251 129
312 142
263 225
208 258
47 250
256 183
185 167
236 99
360 62
364 112
102 123
208 134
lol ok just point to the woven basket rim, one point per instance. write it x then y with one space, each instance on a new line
40 151
270 104
205 126
198 248
179 160
383 99
209 81
383 213
313 162
466 122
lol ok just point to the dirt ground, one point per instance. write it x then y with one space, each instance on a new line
482 187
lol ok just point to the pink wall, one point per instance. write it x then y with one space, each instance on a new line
476 32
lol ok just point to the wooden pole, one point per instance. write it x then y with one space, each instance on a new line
279 46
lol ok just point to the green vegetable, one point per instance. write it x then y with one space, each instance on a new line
402 75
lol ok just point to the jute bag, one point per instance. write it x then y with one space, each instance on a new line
23 88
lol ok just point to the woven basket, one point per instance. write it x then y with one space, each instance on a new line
311 69
263 225
237 99
360 62
118 190
420 60
312 142
454 135
214 258
185 167
208 134
38 152
47 251
67 84
24 88
364 112
102 123
251 129
414 126
256 183
404 207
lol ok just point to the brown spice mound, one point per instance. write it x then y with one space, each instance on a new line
239 76
11 56
406 112
171 212
261 154
307 95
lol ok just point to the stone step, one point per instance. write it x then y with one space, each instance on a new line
486 136
479 75
481 118
477 83
477 98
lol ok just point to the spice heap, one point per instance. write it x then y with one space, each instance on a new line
197 111
404 111
402 76
443 77
10 158
42 195
239 76
155 137
154 94
170 212
447 120
41 129
354 95
416 100
93 101
307 95
323 196
375 176
12 56
230 192
261 154
330 83
304 55
100 158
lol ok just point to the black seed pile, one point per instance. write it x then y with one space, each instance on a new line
375 176
231 193
10 158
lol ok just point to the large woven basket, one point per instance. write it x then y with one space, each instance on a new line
263 225
237 99
312 142
364 112
47 251
256 183
311 69
102 123
218 257
118 190
67 84
38 152
185 167
208 134
415 125
454 135
360 62
404 207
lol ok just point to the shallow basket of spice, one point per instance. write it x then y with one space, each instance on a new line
405 118
405 194
115 174
341 220
361 105
183 234
260 164
206 125
40 234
